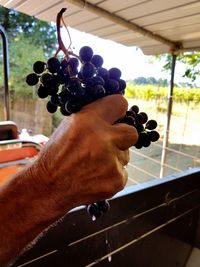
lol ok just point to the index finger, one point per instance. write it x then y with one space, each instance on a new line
110 108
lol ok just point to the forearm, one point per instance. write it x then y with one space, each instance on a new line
26 210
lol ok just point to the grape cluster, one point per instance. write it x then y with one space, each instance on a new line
70 86
75 81
145 128
97 209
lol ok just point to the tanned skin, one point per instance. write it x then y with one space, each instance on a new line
86 150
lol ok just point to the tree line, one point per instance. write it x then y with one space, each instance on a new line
158 82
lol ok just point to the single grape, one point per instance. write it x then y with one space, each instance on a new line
53 65
89 82
144 117
111 86
135 109
73 106
145 139
103 73
47 79
55 100
103 205
42 91
74 86
63 76
32 79
122 85
73 71
92 209
128 120
64 64
63 111
138 144
98 80
73 62
139 118
86 53
139 128
151 125
99 91
153 135
64 96
130 113
87 70
39 67
115 73
97 61
51 107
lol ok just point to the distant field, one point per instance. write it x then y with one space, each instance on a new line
184 140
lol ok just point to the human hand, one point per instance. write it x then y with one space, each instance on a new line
84 159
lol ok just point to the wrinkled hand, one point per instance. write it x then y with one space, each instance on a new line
84 159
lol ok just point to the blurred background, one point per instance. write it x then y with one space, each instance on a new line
147 77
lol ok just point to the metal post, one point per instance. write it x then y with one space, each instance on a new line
6 71
169 111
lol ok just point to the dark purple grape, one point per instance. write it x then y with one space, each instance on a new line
80 76
89 82
51 107
86 53
103 73
138 144
64 64
87 70
92 209
115 73
64 96
122 85
144 117
53 65
97 61
47 79
98 80
73 106
32 79
63 76
138 118
74 86
139 128
73 62
128 120
39 67
145 139
42 91
63 111
73 71
99 91
111 86
151 125
153 135
55 100
103 205
130 113
135 109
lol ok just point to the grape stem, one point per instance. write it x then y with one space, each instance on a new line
61 46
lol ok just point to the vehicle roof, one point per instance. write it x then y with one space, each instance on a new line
156 26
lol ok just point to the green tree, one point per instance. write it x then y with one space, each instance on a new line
21 64
40 33
191 61
29 39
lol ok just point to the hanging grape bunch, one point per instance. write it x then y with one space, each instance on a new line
77 80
